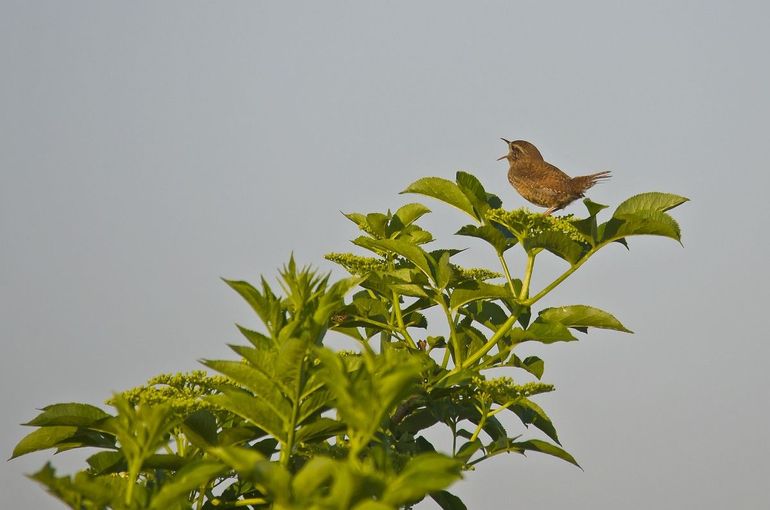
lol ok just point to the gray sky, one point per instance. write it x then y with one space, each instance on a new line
148 148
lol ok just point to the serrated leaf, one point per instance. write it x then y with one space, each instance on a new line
419 257
201 428
640 223
257 339
541 331
312 476
253 297
491 234
444 190
192 476
531 364
264 387
289 365
319 430
593 207
42 439
107 462
98 491
575 316
651 201
409 213
252 409
557 243
253 466
537 445
466 451
377 224
70 414
425 473
473 189
443 272
532 414
448 501
357 218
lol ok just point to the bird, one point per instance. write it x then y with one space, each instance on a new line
540 182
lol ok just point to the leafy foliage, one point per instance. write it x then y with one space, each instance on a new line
292 424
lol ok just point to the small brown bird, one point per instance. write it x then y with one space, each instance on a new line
542 183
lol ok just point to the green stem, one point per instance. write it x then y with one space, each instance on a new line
502 330
445 361
453 340
286 449
534 299
503 407
527 277
507 273
480 425
400 321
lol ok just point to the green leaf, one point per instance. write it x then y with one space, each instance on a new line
531 364
443 271
251 465
448 501
444 190
319 430
587 227
425 473
418 420
192 476
257 339
491 234
541 331
410 213
313 476
466 451
266 389
42 439
473 189
201 428
377 223
593 207
640 223
72 414
357 218
107 462
290 366
474 291
252 409
536 445
411 252
253 297
575 316
652 201
558 243
532 414
98 491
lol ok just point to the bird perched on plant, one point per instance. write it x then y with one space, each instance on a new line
542 183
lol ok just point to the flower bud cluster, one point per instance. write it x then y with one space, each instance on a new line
356 264
524 223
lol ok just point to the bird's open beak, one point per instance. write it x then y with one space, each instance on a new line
506 156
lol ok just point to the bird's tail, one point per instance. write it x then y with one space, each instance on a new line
583 182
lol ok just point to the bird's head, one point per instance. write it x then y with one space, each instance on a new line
520 149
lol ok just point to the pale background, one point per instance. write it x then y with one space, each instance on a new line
148 148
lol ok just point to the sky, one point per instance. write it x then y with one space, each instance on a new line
149 148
